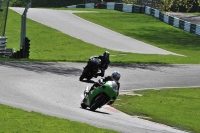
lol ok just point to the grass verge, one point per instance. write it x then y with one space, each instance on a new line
13 120
174 107
48 44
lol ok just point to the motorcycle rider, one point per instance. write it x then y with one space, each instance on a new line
114 77
104 63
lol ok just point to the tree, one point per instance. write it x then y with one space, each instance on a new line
167 5
19 3
129 1
45 3
175 5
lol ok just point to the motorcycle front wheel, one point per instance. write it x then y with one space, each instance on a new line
83 105
98 102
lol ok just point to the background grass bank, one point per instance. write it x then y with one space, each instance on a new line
48 44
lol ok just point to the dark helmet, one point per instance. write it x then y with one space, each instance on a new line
106 54
116 76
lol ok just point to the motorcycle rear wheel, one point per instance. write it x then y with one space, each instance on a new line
90 77
85 74
81 78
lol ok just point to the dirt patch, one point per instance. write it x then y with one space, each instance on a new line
195 19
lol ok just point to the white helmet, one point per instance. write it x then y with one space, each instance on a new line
116 76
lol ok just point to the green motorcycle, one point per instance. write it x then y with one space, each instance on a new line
100 96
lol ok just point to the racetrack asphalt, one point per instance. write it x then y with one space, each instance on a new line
54 89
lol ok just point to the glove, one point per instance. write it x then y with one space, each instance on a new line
101 81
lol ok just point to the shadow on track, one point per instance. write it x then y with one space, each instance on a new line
96 111
61 69
41 67
153 67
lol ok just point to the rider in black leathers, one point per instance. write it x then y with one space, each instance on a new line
104 63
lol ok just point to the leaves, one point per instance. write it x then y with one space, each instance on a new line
45 3
129 1
166 5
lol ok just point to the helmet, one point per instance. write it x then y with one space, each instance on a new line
106 54
116 76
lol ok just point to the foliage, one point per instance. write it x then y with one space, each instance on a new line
45 3
166 5
129 1
176 4
19 3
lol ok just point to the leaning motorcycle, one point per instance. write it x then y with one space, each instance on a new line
91 69
100 96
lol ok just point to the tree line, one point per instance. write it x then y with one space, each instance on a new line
53 3
170 5
45 3
165 5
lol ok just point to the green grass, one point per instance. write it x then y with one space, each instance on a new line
174 107
48 44
13 120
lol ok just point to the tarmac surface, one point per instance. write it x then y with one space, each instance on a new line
195 19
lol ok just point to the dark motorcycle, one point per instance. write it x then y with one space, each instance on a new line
91 69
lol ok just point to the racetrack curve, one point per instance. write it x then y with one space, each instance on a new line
55 89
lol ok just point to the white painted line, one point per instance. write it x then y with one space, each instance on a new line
158 88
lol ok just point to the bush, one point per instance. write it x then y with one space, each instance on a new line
45 3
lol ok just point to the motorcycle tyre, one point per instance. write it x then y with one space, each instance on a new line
81 78
83 105
98 103
92 75
88 79
83 75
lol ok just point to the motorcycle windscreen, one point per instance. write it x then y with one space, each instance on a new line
113 85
